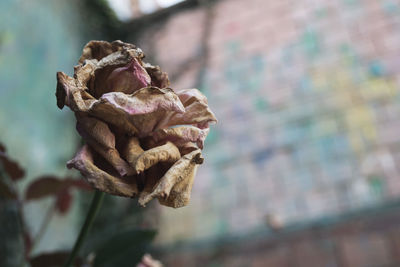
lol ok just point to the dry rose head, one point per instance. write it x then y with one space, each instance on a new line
143 139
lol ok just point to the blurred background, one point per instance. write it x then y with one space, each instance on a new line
303 168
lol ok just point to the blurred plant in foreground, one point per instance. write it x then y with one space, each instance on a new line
114 250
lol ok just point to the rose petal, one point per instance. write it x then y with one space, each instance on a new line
174 187
127 79
100 49
132 150
181 135
100 179
98 135
165 153
196 112
158 77
139 112
65 85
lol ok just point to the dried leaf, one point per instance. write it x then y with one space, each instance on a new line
10 166
79 184
44 186
64 201
53 259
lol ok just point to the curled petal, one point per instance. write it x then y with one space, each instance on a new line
145 101
97 130
138 113
72 95
174 187
165 153
158 78
127 78
132 150
97 134
181 135
196 112
65 85
100 49
101 180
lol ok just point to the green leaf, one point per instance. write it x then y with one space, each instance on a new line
124 249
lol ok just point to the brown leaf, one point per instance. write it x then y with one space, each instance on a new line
53 259
79 184
44 186
64 201
11 167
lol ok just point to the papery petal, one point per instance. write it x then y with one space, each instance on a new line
139 112
100 49
127 79
99 179
165 153
181 135
72 95
158 77
98 135
196 112
132 150
65 85
174 187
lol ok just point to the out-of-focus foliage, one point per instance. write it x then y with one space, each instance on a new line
118 242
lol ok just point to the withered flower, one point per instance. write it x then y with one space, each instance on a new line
142 138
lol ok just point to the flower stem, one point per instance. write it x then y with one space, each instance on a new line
94 208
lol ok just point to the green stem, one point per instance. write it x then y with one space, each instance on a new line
94 208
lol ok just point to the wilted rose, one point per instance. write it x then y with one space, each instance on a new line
142 138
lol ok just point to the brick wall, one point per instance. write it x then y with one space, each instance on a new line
306 93
359 240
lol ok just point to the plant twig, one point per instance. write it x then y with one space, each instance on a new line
94 208
45 223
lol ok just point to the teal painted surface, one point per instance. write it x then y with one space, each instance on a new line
37 39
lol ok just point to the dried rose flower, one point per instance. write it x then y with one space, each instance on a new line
142 138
